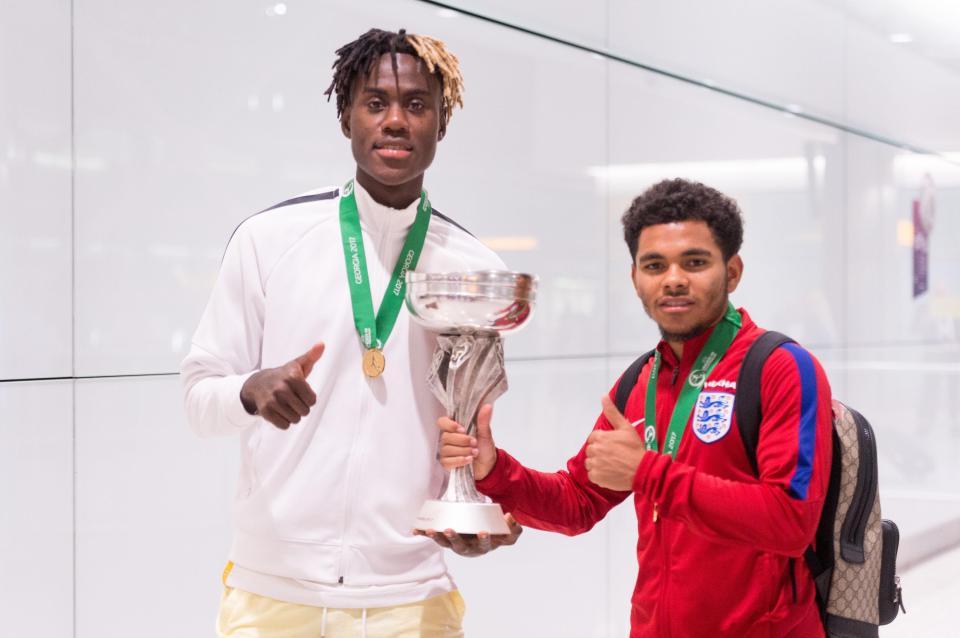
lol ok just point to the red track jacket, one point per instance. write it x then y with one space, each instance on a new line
717 562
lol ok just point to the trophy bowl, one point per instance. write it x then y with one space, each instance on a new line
461 302
470 311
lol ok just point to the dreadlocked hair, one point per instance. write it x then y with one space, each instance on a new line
357 59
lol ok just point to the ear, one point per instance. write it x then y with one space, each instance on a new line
734 273
345 124
635 278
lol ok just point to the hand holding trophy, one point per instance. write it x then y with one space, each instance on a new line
471 311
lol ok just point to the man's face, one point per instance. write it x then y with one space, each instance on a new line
682 279
394 121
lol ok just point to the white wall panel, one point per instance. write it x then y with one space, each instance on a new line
36 509
153 512
547 584
786 51
820 58
35 162
193 127
882 184
911 396
189 126
919 107
515 168
786 174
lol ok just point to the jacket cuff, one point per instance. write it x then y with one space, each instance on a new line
650 474
497 479
229 397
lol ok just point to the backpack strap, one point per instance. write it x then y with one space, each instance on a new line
747 402
628 380
747 407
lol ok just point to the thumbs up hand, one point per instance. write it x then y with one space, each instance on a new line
282 395
614 455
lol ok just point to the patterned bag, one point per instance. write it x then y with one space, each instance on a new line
855 561
854 557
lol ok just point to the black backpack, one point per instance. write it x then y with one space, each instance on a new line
855 561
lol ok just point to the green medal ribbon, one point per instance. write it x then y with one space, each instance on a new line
374 330
717 344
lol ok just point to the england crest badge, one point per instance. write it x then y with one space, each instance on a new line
711 418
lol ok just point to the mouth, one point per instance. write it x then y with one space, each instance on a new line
675 305
392 150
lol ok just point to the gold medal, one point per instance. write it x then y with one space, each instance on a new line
373 363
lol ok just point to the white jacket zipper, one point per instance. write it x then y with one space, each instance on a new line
349 482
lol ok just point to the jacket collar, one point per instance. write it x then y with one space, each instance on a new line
383 219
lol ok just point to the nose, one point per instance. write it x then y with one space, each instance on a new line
675 280
395 120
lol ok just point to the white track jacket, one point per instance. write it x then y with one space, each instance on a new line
332 500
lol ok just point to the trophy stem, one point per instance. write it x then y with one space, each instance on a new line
462 488
467 372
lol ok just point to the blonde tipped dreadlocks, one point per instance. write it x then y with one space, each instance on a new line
357 59
441 61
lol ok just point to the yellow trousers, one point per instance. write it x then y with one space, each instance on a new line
246 615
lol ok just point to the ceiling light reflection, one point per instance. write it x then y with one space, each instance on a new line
177 341
754 175
279 9
819 164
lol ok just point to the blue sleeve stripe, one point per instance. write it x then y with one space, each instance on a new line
808 420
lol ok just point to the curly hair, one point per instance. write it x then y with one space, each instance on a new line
677 200
356 59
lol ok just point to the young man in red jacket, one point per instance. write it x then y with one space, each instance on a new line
720 550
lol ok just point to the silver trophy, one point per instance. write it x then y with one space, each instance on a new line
470 310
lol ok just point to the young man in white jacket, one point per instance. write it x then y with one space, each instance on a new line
327 391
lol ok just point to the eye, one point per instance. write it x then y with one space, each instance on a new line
375 104
652 267
696 262
416 105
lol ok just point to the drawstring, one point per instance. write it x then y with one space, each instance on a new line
364 622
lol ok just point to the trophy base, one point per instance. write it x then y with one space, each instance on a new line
463 518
